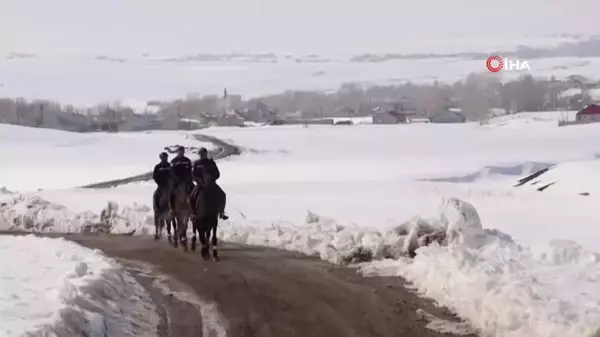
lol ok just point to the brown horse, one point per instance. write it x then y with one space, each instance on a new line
182 211
210 203
161 213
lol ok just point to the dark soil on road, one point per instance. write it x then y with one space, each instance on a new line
272 293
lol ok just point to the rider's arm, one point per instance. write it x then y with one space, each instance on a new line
216 168
155 174
195 172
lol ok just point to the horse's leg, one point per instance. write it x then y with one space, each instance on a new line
215 223
161 225
156 225
175 231
183 226
194 230
168 222
203 237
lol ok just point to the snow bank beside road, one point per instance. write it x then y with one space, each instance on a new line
56 287
34 214
502 288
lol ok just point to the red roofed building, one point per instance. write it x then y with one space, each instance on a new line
590 113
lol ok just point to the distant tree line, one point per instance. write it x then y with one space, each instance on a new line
477 96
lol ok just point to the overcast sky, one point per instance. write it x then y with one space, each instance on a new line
299 26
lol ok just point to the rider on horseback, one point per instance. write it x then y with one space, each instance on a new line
181 173
162 177
200 169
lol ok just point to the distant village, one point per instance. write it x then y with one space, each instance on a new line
476 99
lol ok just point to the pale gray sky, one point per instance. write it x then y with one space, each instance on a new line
299 26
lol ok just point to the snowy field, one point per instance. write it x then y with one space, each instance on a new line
48 159
67 78
525 263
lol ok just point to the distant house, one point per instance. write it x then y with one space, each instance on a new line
391 117
419 119
227 120
294 115
448 116
589 114
261 114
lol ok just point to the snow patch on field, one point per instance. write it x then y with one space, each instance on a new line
495 173
571 178
72 291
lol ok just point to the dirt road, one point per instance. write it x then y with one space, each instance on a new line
271 293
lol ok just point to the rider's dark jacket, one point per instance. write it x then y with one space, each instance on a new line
181 169
203 166
162 174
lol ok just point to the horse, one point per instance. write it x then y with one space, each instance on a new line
182 211
209 205
161 213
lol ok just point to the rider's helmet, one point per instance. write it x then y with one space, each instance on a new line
181 149
163 155
203 152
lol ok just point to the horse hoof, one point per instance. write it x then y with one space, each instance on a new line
170 239
156 237
215 256
193 246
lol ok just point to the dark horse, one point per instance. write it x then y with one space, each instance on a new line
162 214
182 211
210 203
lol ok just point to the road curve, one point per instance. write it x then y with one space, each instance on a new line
268 293
222 150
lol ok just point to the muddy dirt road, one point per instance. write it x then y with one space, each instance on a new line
271 293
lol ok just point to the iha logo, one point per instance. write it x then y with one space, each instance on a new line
496 63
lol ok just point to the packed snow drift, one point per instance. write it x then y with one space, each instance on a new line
511 261
503 288
53 287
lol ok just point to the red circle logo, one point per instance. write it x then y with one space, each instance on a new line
493 68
